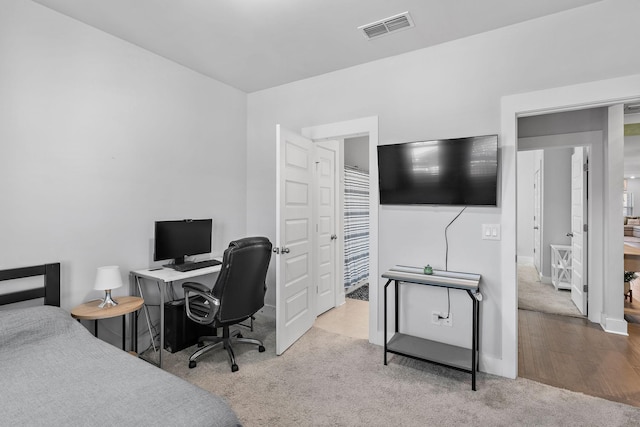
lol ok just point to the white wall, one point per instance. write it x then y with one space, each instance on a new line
526 169
98 139
448 90
556 192
356 152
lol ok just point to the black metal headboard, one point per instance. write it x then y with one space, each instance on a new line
50 291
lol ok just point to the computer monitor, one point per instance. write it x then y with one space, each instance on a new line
178 239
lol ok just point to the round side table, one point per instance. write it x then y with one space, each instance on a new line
126 305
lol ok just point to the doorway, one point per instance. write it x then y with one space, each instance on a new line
351 316
552 216
295 305
608 307
364 132
544 336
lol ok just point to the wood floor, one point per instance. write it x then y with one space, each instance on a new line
575 354
350 319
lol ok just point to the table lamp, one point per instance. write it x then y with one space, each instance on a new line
108 278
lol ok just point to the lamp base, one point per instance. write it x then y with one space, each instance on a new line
107 301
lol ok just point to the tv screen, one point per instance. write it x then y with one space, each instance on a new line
177 239
461 171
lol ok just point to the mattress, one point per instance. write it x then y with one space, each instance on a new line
53 372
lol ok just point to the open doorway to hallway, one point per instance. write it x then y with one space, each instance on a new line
631 213
554 208
352 317
545 238
564 351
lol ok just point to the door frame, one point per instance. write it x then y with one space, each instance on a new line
587 95
537 222
366 126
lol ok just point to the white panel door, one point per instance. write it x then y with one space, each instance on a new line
578 220
326 225
295 299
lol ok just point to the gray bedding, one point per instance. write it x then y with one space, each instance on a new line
53 372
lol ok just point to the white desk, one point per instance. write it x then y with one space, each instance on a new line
165 277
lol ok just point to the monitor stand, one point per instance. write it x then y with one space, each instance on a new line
176 261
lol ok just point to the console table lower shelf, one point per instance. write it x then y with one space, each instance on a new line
461 358
430 351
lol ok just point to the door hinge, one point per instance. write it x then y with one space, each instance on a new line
585 167
585 288
585 227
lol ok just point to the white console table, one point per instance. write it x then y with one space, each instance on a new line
433 351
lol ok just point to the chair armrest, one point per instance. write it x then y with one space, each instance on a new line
195 286
201 306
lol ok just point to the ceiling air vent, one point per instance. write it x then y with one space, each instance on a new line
401 21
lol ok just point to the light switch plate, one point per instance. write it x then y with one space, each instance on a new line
491 231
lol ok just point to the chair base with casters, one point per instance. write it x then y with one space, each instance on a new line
225 341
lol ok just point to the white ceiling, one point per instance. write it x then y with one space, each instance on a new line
258 44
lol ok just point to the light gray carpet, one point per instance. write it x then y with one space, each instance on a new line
537 296
326 379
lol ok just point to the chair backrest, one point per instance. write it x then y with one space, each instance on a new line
241 285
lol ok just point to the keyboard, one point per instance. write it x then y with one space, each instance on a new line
189 266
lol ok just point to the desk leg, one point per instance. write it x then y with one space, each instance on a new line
162 288
95 328
134 335
474 341
385 321
146 313
397 313
124 332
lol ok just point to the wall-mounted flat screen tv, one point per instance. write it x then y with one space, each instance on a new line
460 171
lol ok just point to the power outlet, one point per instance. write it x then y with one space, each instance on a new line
435 318
448 321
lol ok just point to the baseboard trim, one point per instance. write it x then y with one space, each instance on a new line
614 326
492 365
525 260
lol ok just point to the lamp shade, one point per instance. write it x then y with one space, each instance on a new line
108 278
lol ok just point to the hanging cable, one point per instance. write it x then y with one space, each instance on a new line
446 241
448 306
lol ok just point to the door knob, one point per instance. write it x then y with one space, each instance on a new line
536 227
285 250
334 237
276 250
569 234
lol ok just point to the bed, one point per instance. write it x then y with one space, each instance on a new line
53 371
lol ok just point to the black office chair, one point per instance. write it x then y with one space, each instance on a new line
236 296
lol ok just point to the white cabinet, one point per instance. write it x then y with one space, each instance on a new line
561 266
